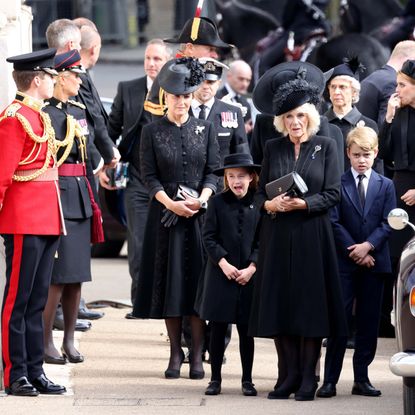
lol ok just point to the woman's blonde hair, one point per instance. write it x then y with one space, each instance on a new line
313 120
364 137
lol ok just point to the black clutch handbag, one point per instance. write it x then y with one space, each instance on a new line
292 184
170 218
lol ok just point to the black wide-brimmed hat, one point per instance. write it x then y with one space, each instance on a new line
181 76
236 160
350 67
200 31
287 86
408 68
69 61
41 60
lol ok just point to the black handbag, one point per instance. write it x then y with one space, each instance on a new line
292 184
170 218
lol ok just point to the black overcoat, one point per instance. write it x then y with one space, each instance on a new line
172 258
297 289
229 232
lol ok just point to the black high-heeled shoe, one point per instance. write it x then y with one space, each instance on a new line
284 391
174 373
306 395
54 360
72 358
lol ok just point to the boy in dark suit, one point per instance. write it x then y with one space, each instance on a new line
361 233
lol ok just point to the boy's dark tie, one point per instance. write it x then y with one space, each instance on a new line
361 189
202 113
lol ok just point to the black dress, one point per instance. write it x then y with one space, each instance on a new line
172 258
73 261
397 147
297 290
228 232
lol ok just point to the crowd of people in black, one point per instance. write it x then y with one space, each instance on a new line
276 224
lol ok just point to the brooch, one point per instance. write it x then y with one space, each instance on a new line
199 129
317 148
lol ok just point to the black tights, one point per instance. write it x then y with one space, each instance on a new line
299 356
217 350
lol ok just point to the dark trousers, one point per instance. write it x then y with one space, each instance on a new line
29 262
136 204
367 288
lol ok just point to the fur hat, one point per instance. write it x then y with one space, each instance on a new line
181 76
287 86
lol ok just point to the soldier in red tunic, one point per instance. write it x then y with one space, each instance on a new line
30 222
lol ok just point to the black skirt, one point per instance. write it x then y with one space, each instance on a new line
73 262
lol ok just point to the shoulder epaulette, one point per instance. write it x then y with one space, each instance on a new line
12 109
77 104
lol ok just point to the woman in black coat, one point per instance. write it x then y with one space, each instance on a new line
72 264
175 150
297 296
229 239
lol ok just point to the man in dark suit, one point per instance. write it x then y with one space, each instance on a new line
127 119
227 118
238 79
361 232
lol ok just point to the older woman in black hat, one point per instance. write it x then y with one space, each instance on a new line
176 150
343 90
297 296
72 266
397 147
229 237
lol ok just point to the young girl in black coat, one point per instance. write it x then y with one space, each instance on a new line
229 240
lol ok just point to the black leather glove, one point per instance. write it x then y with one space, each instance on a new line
169 218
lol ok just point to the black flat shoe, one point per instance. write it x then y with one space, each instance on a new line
46 386
248 389
72 358
365 389
85 313
306 395
22 387
213 388
196 374
327 390
54 360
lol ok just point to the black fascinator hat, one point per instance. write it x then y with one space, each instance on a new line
181 76
408 68
287 86
350 67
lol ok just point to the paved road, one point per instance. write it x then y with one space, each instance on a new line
125 361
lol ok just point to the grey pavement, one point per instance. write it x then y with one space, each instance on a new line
125 361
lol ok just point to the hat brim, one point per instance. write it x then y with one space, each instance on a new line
50 71
77 70
263 94
221 171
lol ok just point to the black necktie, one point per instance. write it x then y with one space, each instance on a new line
361 189
202 113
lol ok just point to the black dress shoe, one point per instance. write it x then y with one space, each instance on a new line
284 391
365 389
196 374
248 389
72 358
174 373
22 387
327 390
46 386
54 360
81 325
213 388
306 395
129 316
85 313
